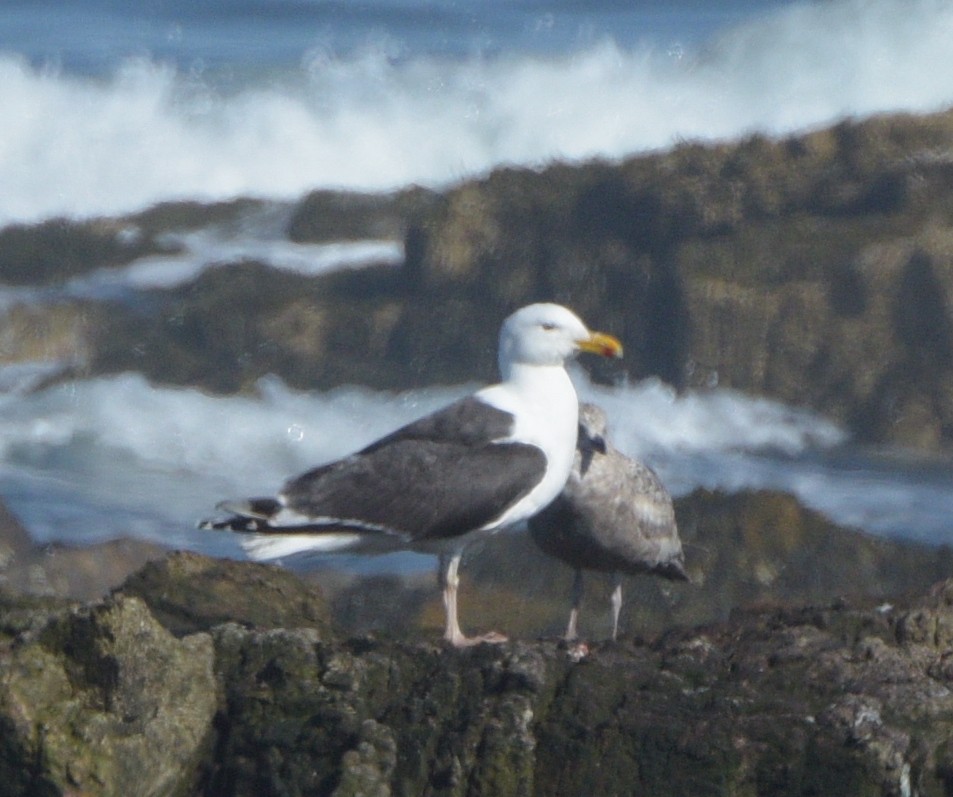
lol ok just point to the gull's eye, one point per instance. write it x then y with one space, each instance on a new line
548 326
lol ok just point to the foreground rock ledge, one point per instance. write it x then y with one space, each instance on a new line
839 700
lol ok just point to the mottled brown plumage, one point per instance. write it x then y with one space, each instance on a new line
614 515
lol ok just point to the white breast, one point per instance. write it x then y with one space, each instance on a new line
545 408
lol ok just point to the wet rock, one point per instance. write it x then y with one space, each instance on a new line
814 269
55 250
175 217
59 334
240 321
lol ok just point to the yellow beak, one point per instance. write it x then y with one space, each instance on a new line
602 344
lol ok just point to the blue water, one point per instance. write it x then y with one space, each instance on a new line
91 37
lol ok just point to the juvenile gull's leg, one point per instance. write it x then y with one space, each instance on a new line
577 591
616 605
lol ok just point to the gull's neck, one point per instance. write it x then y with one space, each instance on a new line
540 395
529 378
545 412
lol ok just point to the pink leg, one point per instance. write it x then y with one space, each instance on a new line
450 581
616 606
572 633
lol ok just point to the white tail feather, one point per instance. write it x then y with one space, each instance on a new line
266 547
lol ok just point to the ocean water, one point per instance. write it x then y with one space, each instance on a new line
110 107
92 460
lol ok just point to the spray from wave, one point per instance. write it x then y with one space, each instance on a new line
84 146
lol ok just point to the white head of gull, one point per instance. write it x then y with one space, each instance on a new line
487 461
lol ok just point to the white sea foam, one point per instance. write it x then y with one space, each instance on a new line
117 456
83 146
129 458
652 416
198 251
203 250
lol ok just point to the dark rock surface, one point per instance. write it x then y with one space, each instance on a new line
53 251
188 593
806 659
835 699
345 216
815 269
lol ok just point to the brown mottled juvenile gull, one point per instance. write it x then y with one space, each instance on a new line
613 515
491 460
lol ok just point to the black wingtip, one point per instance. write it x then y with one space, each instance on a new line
234 523
247 514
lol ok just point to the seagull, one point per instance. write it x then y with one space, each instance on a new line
614 515
485 462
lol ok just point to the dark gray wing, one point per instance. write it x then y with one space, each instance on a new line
436 478
469 422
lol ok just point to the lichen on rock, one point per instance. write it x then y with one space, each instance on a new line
103 700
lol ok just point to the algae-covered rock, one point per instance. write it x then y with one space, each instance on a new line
103 700
832 699
55 250
774 703
240 321
815 269
326 215
841 698
189 592
305 717
60 333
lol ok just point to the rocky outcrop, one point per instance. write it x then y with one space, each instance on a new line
51 252
189 593
804 659
344 216
102 700
817 269
839 699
